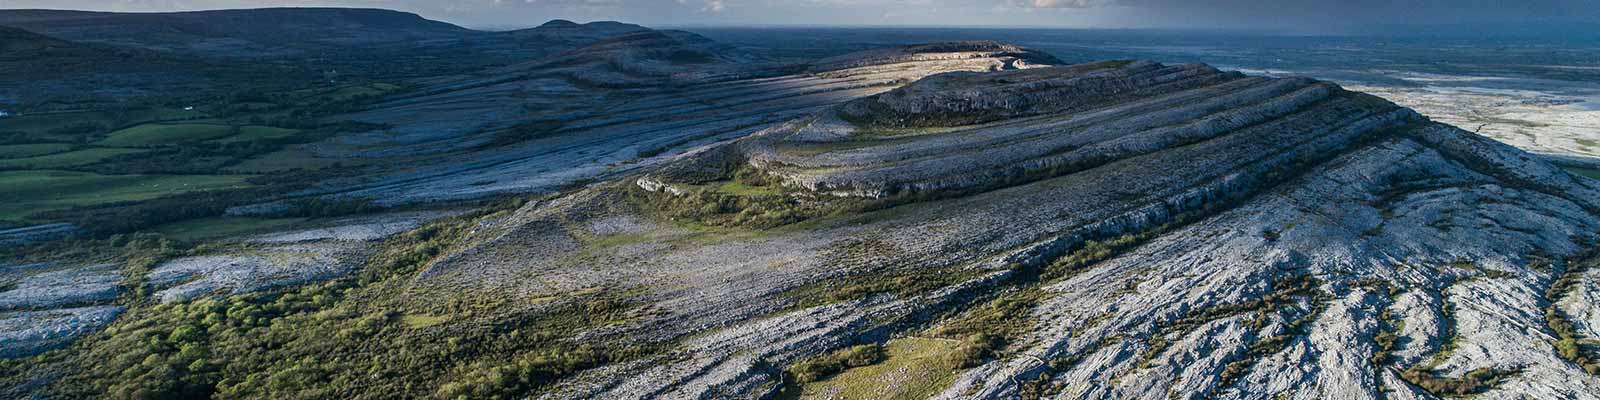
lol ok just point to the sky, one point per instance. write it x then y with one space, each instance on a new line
1279 15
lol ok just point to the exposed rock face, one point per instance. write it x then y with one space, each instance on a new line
252 271
62 288
1285 225
32 332
1014 57
283 259
966 98
1147 108
600 134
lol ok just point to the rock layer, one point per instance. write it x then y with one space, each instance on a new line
1285 225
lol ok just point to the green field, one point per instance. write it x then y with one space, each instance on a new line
42 124
160 134
346 93
249 133
916 368
221 227
739 189
284 160
32 150
67 159
28 192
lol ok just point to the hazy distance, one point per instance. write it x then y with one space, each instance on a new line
1299 16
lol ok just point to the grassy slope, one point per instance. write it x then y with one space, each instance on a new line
365 336
159 134
68 159
43 123
916 368
248 133
34 191
32 150
218 227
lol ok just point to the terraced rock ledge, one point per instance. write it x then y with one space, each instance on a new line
1107 230
951 221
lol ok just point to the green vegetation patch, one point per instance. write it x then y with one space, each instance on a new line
419 321
32 150
1473 382
71 125
164 134
249 133
220 227
910 368
827 365
738 188
1584 172
364 336
29 192
68 159
285 160
347 93
751 199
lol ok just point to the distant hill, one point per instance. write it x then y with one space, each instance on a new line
250 32
47 52
23 49
646 57
561 30
36 68
15 42
346 39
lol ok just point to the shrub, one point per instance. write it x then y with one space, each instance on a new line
974 350
821 367
1473 382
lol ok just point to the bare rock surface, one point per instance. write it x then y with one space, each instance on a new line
1283 224
27 333
91 284
254 270
284 259
358 228
592 119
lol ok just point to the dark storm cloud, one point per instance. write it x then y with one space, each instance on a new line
1253 14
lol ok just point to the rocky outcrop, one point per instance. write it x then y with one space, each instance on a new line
1014 57
283 259
1087 122
1273 238
965 98
28 333
584 134
66 287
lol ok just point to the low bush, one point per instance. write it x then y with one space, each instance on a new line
824 366
1473 382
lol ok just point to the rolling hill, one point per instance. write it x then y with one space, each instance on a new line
625 213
